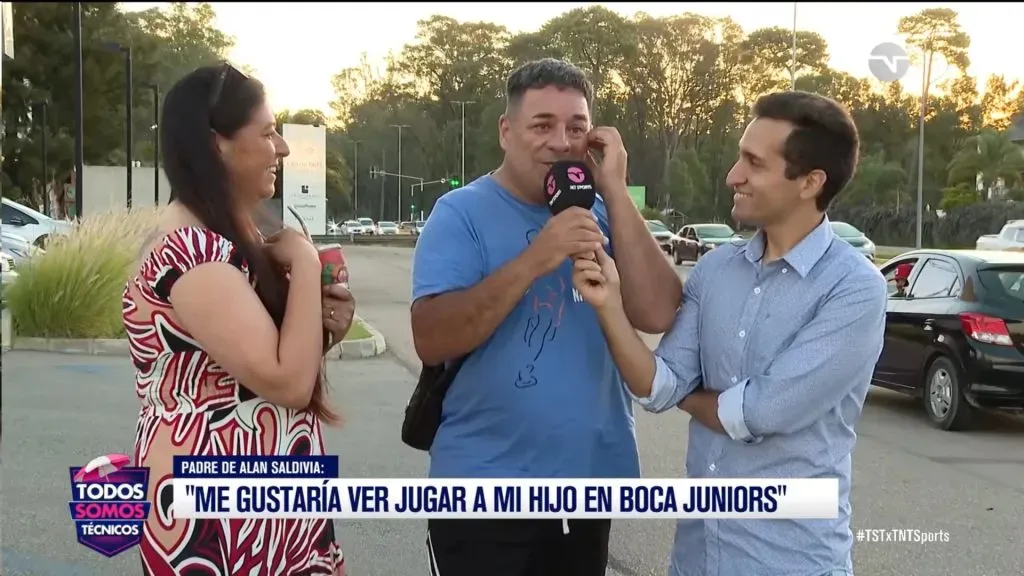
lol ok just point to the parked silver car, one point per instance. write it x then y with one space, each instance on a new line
855 238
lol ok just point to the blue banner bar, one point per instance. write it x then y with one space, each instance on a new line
255 466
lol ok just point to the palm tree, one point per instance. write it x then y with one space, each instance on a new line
991 156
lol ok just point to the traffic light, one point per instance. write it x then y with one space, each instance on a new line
453 183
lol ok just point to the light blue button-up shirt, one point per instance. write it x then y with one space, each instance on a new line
791 346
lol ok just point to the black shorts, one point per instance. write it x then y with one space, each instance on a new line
517 547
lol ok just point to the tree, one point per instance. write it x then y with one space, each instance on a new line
990 157
165 45
679 89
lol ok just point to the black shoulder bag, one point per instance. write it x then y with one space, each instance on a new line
423 413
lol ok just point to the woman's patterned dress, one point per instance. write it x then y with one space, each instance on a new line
190 405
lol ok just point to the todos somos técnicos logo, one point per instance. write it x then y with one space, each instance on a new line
109 504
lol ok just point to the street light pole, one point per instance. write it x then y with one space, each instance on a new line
792 68
400 127
127 51
156 143
920 149
355 184
43 124
463 104
76 30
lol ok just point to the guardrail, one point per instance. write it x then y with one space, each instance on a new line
397 240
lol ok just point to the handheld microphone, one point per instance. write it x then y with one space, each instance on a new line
569 183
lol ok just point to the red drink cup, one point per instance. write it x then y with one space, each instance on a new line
333 267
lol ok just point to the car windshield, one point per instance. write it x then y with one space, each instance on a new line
1006 282
715 231
655 226
387 224
844 230
352 223
366 222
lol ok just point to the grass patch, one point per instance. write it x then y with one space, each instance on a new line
74 289
358 331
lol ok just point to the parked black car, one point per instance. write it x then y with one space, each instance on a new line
954 333
695 240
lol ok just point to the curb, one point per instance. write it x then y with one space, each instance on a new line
362 348
348 349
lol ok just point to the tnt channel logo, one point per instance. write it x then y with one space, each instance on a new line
108 503
889 62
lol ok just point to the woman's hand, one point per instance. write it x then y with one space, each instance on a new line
290 249
339 310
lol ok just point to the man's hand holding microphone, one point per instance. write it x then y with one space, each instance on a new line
572 233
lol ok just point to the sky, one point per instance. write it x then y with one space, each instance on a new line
296 48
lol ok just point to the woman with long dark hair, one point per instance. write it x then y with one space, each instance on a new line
227 332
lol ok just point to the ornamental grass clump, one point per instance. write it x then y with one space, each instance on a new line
73 290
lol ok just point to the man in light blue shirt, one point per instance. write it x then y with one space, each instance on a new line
773 350
538 395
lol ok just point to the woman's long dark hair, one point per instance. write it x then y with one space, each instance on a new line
222 99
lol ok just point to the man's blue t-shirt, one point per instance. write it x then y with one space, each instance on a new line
541 398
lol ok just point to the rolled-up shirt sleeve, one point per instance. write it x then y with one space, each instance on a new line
830 357
677 358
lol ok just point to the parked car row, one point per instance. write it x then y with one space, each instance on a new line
367 227
695 240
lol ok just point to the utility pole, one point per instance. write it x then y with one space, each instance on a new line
400 127
792 67
383 162
463 104
42 105
156 144
925 72
76 31
355 184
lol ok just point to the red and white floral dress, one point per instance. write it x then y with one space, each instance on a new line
190 405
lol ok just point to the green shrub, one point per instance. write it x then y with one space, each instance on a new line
74 289
960 227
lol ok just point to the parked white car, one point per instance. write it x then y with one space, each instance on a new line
8 273
30 224
386 228
1011 237
17 247
369 227
351 228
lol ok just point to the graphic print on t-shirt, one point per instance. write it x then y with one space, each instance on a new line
547 301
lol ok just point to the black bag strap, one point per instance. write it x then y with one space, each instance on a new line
423 413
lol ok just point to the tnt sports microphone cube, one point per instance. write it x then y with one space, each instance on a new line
569 184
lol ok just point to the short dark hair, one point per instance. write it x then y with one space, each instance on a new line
543 73
824 138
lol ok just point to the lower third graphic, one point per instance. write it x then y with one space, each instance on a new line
108 504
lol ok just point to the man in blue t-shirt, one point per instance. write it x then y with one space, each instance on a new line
539 395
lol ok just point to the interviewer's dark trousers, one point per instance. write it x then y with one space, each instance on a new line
517 547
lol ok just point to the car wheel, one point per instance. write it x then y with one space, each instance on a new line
944 400
41 241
